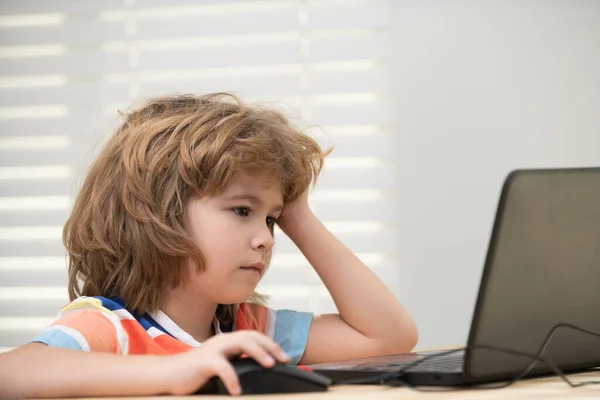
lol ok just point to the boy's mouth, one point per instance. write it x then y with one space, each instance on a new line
258 267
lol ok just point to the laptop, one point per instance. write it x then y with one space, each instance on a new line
542 268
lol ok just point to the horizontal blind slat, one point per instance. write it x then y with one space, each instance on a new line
375 79
76 124
377 112
359 146
69 33
72 95
13 218
11 248
268 86
383 209
14 337
245 22
349 14
74 63
37 278
372 46
380 177
58 189
245 55
74 155
379 242
214 6
31 307
62 6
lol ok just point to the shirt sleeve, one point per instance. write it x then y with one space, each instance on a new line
290 331
85 325
286 327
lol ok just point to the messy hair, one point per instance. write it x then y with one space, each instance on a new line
127 235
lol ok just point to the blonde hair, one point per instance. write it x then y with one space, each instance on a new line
127 234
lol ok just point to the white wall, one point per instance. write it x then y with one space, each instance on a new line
480 88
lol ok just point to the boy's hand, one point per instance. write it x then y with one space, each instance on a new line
294 211
189 371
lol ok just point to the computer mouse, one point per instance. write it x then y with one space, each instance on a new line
281 378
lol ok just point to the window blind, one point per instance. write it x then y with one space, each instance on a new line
68 66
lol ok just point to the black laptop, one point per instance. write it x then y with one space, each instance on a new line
542 268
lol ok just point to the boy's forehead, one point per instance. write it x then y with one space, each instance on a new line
254 184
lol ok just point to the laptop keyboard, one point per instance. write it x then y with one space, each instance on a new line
445 364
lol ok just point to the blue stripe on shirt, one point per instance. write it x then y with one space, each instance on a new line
56 338
291 332
146 321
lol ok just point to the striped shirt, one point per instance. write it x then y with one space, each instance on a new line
102 324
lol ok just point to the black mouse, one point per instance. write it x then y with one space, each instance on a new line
281 378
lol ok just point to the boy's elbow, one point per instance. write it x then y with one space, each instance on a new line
405 340
412 337
398 341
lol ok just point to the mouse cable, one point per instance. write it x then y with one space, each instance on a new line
395 378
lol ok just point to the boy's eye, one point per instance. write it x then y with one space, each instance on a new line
242 211
271 222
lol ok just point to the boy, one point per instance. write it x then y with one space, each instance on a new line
169 236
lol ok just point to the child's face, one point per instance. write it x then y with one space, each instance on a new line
234 231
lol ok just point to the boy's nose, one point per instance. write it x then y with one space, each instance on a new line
264 239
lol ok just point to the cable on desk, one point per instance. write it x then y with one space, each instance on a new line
395 378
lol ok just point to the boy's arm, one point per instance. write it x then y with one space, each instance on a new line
38 370
371 321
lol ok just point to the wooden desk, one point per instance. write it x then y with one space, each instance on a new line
543 388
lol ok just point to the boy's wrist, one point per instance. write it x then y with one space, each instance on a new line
295 219
160 373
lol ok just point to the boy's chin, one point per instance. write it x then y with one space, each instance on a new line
236 296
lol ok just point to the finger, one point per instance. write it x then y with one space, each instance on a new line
225 371
259 353
235 343
273 348
247 344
